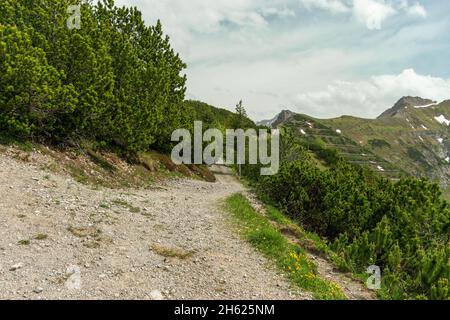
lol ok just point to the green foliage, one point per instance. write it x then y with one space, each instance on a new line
289 258
379 143
328 202
241 116
417 156
402 227
33 97
330 156
213 117
114 80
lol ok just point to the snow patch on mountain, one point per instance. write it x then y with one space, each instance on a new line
426 106
442 120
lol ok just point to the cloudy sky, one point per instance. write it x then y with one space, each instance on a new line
324 58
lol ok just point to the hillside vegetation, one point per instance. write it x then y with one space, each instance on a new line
115 81
367 218
411 138
114 87
116 84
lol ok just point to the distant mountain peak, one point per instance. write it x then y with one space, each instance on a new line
279 119
402 104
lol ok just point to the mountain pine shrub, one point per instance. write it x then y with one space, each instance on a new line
115 81
403 227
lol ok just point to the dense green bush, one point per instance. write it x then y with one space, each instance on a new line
32 99
402 227
330 156
410 242
344 199
114 80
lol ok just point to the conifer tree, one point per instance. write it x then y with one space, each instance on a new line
241 115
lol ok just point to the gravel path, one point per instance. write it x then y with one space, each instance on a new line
63 240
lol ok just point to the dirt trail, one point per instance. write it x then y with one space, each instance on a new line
63 240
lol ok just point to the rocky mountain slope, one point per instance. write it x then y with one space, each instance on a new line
279 119
410 138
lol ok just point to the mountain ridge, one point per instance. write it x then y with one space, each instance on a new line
404 103
410 138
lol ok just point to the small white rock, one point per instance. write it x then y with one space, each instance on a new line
38 290
16 266
156 295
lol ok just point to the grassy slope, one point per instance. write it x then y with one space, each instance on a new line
398 144
114 170
290 259
325 132
101 168
214 117
409 145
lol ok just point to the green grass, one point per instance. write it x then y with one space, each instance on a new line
290 259
126 205
309 241
379 143
105 206
275 215
41 236
9 140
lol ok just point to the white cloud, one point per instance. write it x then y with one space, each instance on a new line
183 20
370 98
373 13
206 16
417 10
334 6
256 51
281 12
